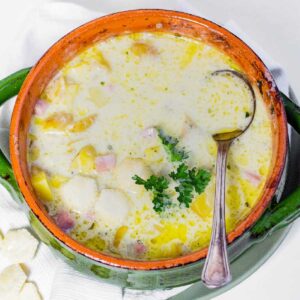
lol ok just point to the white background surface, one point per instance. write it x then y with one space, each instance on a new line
275 25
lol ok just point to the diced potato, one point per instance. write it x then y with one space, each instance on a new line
171 232
127 169
194 142
168 251
19 246
201 207
99 57
58 121
112 207
29 292
41 185
57 180
84 162
119 235
83 124
96 96
79 194
12 279
142 48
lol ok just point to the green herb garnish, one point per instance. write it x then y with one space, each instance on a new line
170 144
158 185
189 180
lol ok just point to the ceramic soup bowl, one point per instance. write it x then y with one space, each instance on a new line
125 272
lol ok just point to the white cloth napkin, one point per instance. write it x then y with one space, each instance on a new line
45 25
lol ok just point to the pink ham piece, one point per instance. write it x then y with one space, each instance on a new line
252 177
149 132
40 107
139 248
64 221
105 162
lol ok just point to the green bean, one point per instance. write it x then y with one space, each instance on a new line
6 171
10 86
292 112
281 214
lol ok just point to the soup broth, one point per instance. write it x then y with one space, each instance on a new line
120 146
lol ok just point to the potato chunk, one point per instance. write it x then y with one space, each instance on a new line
19 246
41 185
58 121
127 169
201 207
112 207
83 124
12 279
84 162
79 193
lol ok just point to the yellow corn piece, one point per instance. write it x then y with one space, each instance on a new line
84 162
41 186
57 121
140 49
201 208
57 181
119 235
263 169
83 124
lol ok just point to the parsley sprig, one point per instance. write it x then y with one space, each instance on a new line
158 185
170 145
189 180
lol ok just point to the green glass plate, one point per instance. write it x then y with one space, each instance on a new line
241 268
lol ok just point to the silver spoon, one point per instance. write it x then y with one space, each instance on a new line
216 271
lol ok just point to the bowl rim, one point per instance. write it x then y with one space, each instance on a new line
106 259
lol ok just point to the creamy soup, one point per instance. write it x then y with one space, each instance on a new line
120 147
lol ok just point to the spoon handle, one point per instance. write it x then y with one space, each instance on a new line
216 272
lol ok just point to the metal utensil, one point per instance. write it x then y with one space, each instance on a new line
216 271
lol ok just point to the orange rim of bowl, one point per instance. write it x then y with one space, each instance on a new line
140 21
